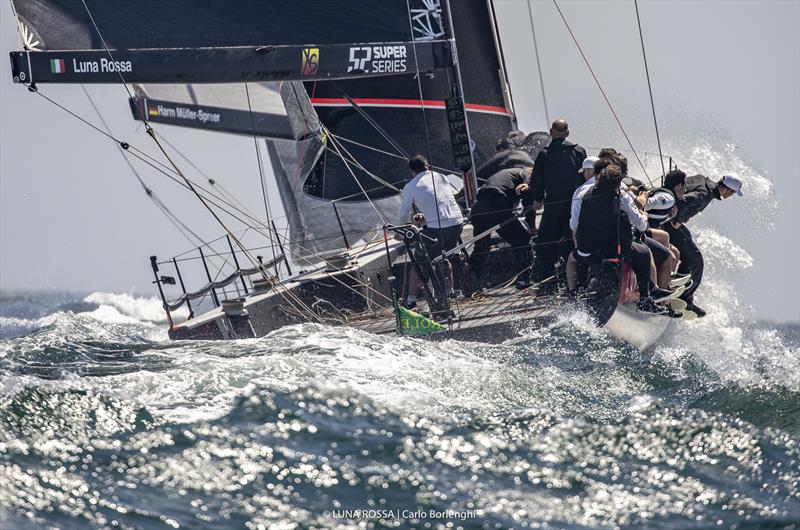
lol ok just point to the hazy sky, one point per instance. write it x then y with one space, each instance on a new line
726 81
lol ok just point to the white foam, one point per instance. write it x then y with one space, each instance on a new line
138 309
111 315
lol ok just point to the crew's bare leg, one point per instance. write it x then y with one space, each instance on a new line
666 268
676 257
572 272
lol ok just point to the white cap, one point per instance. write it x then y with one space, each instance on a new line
588 163
659 205
733 182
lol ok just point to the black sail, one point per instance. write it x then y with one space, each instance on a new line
373 123
396 117
212 41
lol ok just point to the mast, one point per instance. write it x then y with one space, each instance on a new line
466 162
503 73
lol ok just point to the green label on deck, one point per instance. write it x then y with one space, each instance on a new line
416 324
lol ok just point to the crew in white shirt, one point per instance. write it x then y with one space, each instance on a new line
430 193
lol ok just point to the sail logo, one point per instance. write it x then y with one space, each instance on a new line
310 63
103 66
377 59
183 113
358 58
57 66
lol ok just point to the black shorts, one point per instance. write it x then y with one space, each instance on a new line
659 251
440 239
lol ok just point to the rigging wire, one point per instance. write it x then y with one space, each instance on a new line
165 170
148 128
258 154
386 136
260 169
187 184
603 92
349 169
224 192
290 297
425 118
387 153
650 90
538 62
428 141
352 160
171 217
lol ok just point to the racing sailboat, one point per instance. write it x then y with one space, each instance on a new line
339 95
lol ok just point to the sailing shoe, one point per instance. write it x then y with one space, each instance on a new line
694 308
648 305
659 295
686 285
680 279
671 313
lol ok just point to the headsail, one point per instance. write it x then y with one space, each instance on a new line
214 41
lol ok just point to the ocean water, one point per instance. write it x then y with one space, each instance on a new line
104 423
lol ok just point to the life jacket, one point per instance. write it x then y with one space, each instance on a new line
600 224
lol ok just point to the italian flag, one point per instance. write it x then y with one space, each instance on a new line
57 66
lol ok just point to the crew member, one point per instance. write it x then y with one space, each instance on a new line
587 172
661 207
656 240
554 180
503 159
607 157
495 205
694 194
604 233
431 194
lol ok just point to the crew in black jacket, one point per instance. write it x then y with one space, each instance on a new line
504 159
555 178
694 194
604 232
495 203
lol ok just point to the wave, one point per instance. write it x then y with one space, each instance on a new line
296 454
136 309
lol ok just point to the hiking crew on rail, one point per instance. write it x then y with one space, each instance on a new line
592 213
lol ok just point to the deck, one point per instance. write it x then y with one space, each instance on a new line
494 316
